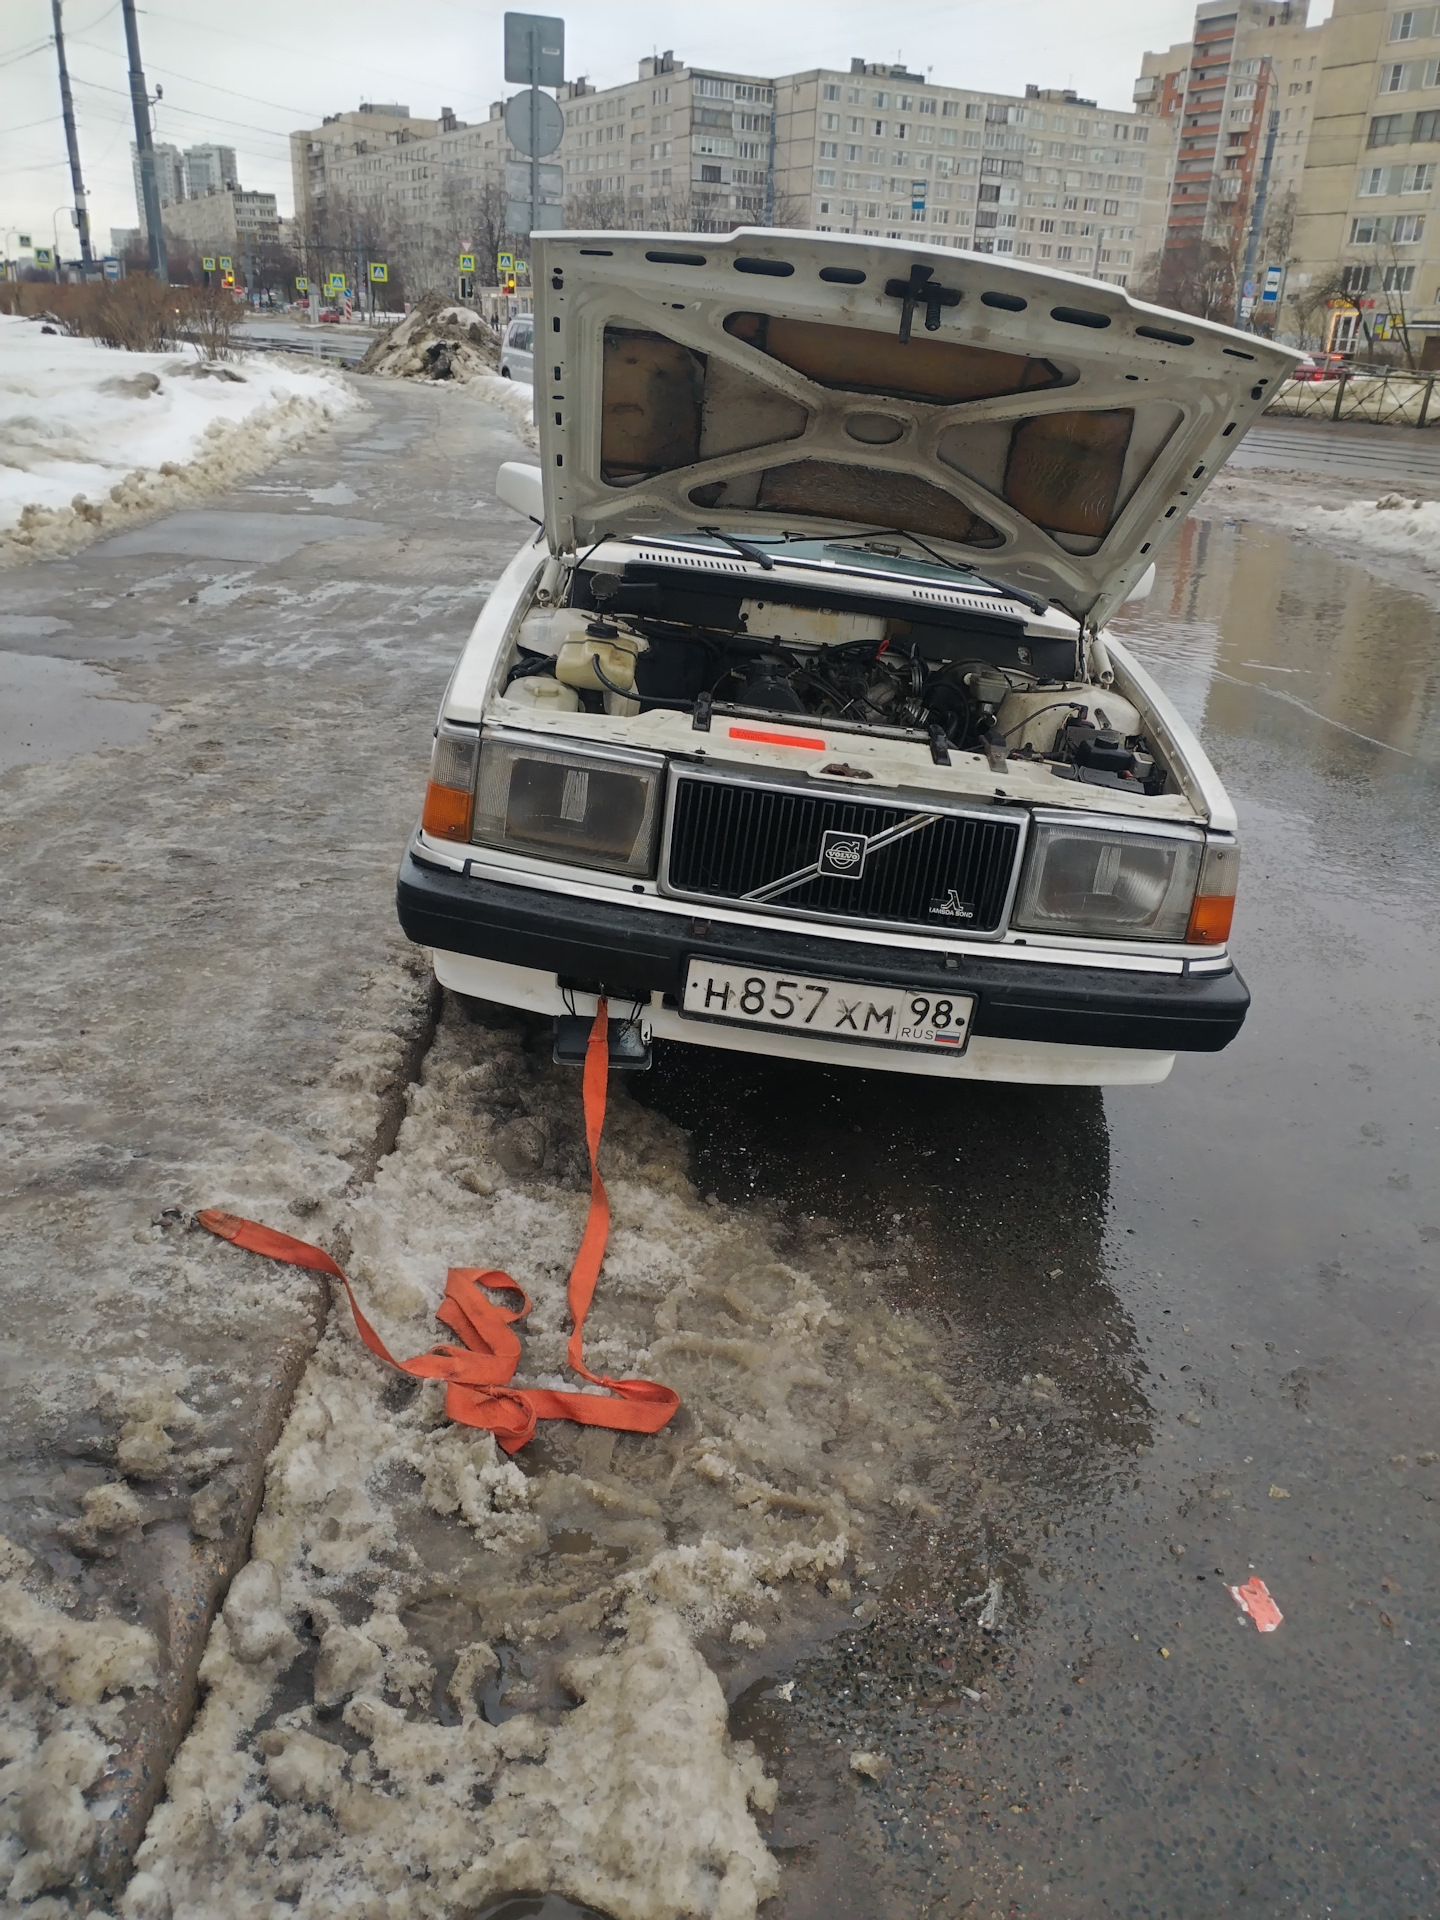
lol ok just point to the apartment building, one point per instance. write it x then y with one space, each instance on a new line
209 169
169 176
674 147
1044 176
359 154
1246 61
230 222
1367 232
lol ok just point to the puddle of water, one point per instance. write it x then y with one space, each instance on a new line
1245 623
54 709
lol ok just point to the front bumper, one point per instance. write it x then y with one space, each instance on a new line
635 952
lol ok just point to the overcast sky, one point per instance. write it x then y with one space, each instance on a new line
244 75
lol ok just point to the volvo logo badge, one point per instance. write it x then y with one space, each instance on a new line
842 855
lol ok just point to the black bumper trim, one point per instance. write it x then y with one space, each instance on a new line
634 950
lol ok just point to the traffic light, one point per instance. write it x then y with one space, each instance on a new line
509 283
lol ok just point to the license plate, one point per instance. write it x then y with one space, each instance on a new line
829 1009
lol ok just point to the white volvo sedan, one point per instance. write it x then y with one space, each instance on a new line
795 729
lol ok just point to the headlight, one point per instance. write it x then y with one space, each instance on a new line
1107 880
595 810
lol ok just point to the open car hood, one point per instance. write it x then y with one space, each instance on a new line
1043 429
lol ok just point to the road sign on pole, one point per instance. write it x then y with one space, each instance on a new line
111 266
379 273
534 124
1273 277
207 263
302 283
334 282
467 263
505 263
535 49
227 264
44 256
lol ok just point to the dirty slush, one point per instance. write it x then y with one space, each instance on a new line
390 1721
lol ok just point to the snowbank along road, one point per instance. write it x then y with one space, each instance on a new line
95 440
988 1394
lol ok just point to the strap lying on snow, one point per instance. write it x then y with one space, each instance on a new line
479 1371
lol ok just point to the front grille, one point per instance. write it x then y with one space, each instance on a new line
728 837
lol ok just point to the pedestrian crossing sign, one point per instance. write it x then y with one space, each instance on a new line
335 282
302 284
44 256
467 263
379 272
227 265
505 262
207 263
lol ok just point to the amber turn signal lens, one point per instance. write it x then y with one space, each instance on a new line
447 812
1210 919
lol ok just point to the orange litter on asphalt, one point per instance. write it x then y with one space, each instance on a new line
1254 1598
478 1372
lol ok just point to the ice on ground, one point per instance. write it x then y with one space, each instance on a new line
440 341
61 1685
92 439
422 1752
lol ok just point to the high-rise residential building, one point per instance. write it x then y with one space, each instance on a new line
1247 64
872 149
1366 253
169 176
352 155
209 170
1045 175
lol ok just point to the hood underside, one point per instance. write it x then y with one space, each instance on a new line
1043 429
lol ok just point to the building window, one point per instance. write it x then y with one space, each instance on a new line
1427 126
1357 279
829 150
927 104
949 109
1399 279
826 177
829 123
710 176
830 92
1388 130
1413 23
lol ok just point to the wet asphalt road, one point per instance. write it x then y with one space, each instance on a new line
1194 1331
1231 1282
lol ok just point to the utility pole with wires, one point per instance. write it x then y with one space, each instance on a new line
145 148
67 107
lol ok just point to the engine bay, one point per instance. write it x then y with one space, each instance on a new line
631 639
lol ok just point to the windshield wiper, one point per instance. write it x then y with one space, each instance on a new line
1026 599
742 547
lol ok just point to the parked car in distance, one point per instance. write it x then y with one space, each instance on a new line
517 353
1319 366
796 728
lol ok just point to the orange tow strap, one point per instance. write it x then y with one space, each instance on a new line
478 1373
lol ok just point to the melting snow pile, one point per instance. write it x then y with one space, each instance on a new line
60 1682
439 341
92 439
390 1724
1395 524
